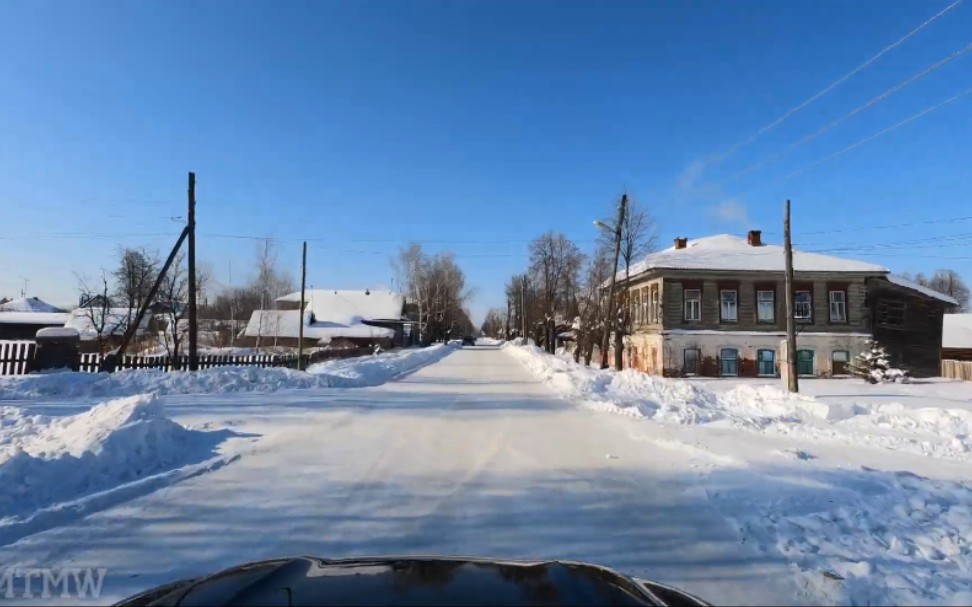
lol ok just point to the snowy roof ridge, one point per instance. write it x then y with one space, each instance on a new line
729 252
957 331
350 306
28 304
901 281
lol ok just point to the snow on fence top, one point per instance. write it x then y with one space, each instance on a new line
286 323
27 304
728 252
904 282
957 331
349 307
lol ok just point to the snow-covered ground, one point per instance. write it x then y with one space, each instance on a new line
732 490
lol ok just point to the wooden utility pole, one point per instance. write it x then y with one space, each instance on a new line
523 321
509 309
193 320
300 331
610 316
792 383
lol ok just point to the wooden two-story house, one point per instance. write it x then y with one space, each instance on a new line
715 306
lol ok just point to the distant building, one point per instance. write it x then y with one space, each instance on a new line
957 337
25 325
333 317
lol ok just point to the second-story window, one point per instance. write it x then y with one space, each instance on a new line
729 305
803 306
636 307
656 308
693 304
644 304
766 306
838 306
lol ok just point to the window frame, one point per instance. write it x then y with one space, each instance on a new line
846 362
843 306
759 371
807 320
655 306
735 306
685 305
772 302
723 359
698 361
884 303
644 304
813 363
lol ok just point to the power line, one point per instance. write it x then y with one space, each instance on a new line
882 227
858 144
834 84
873 101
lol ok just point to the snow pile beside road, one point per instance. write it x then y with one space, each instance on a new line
902 540
45 461
350 372
932 431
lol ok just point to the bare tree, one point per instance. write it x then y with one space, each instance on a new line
948 282
555 264
134 276
270 282
173 296
639 237
437 286
495 323
95 306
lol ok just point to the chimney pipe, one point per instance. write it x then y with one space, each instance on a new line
755 238
681 243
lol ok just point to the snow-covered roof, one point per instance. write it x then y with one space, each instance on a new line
286 323
51 319
728 252
347 307
116 321
28 304
904 282
957 331
58 332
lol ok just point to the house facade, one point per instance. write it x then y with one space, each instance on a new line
715 306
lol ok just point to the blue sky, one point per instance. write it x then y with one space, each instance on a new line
471 126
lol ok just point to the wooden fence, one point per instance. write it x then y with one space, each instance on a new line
957 369
14 357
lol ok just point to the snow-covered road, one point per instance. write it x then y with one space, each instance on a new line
471 455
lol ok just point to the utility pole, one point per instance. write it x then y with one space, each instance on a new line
792 383
610 316
509 308
300 331
523 321
193 320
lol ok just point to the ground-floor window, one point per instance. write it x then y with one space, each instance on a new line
729 362
766 363
839 361
804 362
690 365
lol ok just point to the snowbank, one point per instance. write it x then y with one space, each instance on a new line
900 540
932 431
351 372
45 461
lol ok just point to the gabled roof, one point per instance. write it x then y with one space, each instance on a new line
901 281
728 252
28 304
286 323
957 331
349 307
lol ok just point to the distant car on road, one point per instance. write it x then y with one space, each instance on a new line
468 341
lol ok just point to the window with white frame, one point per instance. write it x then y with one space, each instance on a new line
644 304
729 305
803 306
656 308
766 306
693 304
838 306
636 307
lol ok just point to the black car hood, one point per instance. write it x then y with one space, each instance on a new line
412 581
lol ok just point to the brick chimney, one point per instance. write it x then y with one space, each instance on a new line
755 238
681 243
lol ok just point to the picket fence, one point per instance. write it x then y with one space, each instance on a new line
15 355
